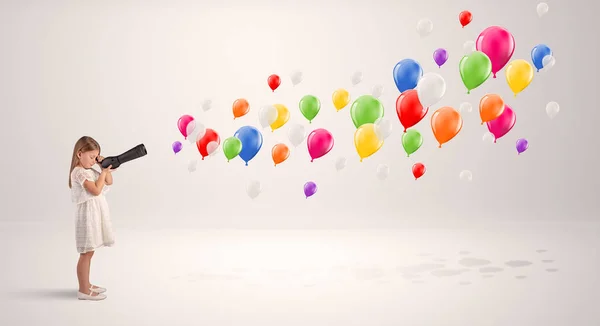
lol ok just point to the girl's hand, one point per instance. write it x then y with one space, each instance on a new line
99 159
108 169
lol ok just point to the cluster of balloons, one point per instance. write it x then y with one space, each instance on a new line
207 140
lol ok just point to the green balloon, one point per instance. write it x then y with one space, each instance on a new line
475 68
310 107
411 141
232 147
366 109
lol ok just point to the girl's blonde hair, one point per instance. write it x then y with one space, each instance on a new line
84 144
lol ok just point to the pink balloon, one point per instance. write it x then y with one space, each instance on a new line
502 124
498 44
182 124
320 142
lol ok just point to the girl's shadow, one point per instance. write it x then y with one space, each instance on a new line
44 294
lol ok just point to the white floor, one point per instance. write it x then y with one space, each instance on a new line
506 275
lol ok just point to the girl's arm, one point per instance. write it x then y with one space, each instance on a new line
95 188
109 179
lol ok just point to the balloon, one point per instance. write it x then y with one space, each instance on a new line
503 124
407 73
537 55
280 153
182 124
198 130
519 74
430 89
232 147
466 175
366 141
522 145
411 141
211 148
209 136
274 81
498 44
552 109
366 109
357 78
251 140
542 9
440 56
340 98
296 77
319 142
490 107
296 134
253 189
310 188
382 171
418 170
240 108
383 128
310 107
206 105
488 137
377 91
409 109
192 165
177 146
340 163
267 115
283 115
548 62
465 107
468 47
465 17
424 27
475 69
446 123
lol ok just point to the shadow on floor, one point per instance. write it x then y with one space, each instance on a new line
43 294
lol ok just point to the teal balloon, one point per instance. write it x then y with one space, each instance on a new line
310 107
411 141
366 109
475 68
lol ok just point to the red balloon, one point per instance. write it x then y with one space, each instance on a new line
418 170
409 109
274 82
465 17
208 137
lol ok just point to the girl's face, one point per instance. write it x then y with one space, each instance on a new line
88 159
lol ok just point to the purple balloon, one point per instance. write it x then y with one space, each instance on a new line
177 147
310 188
522 145
440 56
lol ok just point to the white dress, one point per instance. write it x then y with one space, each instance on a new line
93 228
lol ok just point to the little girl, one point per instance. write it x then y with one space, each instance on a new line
93 227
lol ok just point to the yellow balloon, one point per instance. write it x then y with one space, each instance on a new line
283 115
340 98
366 141
519 74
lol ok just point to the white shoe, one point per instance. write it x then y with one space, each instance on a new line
98 289
92 296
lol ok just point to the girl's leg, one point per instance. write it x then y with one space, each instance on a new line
83 272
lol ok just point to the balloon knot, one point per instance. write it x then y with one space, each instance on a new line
275 164
203 158
482 123
495 141
404 129
361 160
494 75
311 160
468 91
246 163
440 146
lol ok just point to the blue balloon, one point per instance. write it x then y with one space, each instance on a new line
538 53
252 141
407 74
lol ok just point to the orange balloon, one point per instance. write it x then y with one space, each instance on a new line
491 107
446 123
240 108
280 153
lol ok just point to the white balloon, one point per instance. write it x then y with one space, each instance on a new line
552 109
192 165
296 77
465 107
548 62
253 189
340 163
382 171
430 89
267 115
488 137
296 134
383 128
542 9
377 91
198 132
424 27
466 175
469 47
357 78
206 105
212 148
